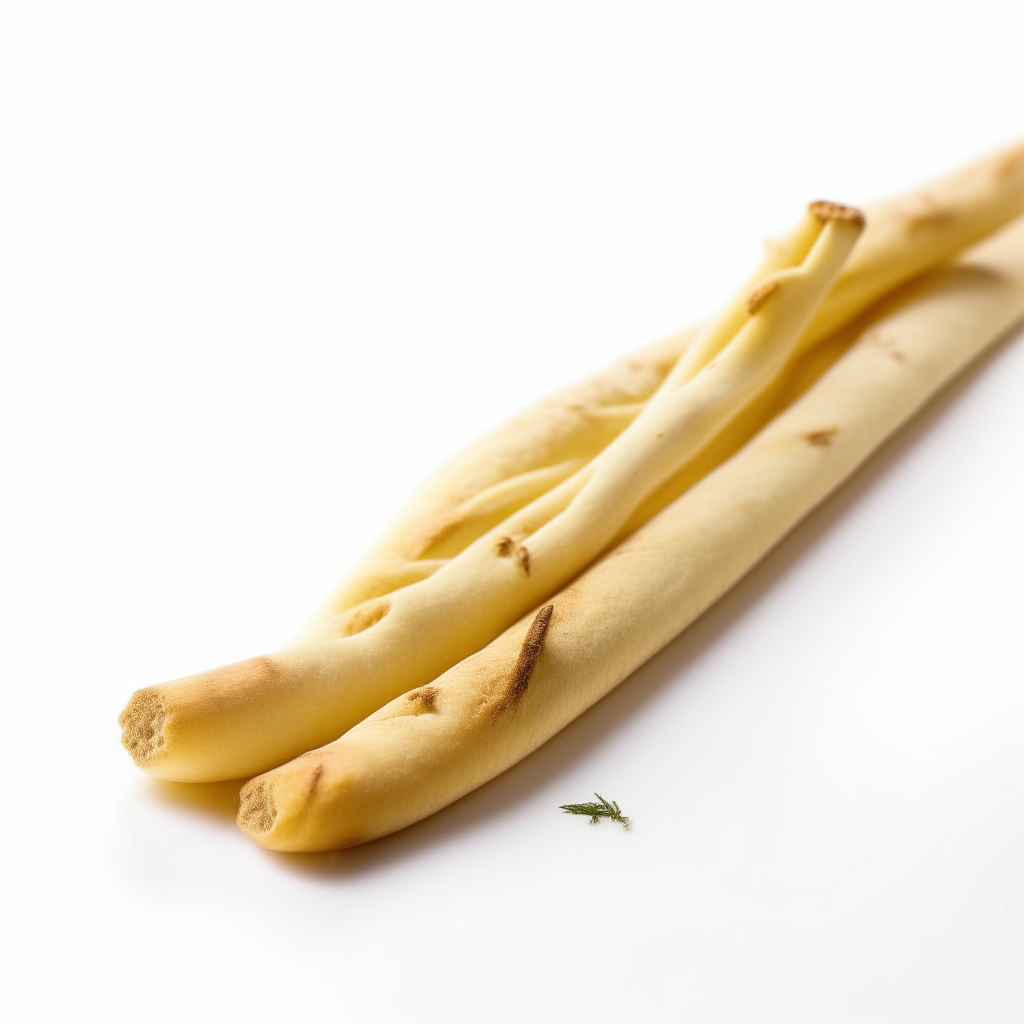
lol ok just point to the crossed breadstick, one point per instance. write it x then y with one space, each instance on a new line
469 636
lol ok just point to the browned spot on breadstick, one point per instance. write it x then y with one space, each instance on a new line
825 210
425 697
437 533
524 559
526 662
924 211
504 547
757 297
314 780
821 438
888 345
363 616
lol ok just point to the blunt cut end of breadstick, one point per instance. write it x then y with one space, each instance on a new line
272 808
142 726
826 211
256 809
198 729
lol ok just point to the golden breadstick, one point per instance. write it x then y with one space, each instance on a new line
435 743
250 717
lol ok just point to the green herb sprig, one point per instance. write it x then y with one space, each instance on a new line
596 811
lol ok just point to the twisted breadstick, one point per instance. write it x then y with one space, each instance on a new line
539 449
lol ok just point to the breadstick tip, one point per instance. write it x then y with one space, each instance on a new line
142 725
256 810
826 211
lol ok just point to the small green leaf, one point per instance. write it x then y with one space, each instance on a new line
596 811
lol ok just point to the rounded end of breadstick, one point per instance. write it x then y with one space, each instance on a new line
305 806
826 211
142 726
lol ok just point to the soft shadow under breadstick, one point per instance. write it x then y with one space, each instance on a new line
430 746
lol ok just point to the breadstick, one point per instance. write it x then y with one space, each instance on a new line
437 742
540 448
250 717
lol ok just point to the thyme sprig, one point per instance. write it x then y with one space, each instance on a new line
596 811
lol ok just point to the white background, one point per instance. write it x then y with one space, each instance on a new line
268 264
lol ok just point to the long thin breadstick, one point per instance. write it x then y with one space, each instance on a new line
256 715
539 449
433 744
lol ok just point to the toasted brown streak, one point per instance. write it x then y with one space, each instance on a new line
314 779
825 210
426 697
888 345
365 615
524 559
504 547
924 211
821 438
756 299
527 660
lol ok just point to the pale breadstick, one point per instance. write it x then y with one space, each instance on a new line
430 746
538 449
251 717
